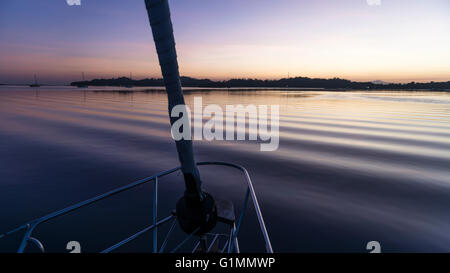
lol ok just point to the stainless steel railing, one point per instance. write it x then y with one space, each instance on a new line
232 242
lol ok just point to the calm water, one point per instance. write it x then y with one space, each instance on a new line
351 167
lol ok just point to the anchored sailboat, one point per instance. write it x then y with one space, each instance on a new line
83 83
35 84
129 85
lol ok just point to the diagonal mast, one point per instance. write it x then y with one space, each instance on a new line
161 24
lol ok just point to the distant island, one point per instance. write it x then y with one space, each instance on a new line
297 82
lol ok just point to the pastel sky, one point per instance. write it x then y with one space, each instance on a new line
396 41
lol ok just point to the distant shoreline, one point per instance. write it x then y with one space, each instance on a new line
122 89
284 84
333 84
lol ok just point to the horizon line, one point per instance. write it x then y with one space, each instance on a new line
239 78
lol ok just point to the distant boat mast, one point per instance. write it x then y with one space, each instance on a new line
35 84
82 84
130 84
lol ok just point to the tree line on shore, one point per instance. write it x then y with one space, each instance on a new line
296 82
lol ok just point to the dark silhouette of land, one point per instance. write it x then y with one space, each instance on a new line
297 82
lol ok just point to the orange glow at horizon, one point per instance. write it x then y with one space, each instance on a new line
241 61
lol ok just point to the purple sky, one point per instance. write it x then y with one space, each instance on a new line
398 40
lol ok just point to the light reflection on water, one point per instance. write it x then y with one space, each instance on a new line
351 167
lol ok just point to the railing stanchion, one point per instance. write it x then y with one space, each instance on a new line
155 216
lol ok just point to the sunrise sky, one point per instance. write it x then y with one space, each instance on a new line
395 40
